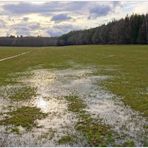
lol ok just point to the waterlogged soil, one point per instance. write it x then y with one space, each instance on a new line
45 90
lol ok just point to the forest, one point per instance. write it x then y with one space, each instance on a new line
129 30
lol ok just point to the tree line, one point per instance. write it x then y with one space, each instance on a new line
28 41
130 30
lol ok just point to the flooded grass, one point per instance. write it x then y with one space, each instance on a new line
97 134
67 139
23 93
80 97
71 103
24 116
48 135
75 104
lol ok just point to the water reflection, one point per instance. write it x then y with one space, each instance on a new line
42 104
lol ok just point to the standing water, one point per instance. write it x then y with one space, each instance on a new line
47 89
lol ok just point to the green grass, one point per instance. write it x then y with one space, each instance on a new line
8 52
24 116
130 62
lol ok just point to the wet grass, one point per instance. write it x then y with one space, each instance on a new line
24 116
75 104
130 62
95 133
23 93
48 135
129 143
66 139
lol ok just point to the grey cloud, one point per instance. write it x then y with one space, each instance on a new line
2 24
43 9
104 10
58 30
25 29
116 3
26 8
25 19
95 9
28 25
101 10
60 17
67 27
54 33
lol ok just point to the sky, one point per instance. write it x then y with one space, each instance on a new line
54 18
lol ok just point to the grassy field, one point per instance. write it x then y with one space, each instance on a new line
128 66
130 62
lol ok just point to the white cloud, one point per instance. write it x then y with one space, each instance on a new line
141 8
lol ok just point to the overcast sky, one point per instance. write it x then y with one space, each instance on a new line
53 18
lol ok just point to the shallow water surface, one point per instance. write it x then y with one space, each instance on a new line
51 86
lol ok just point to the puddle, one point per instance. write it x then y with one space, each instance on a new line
51 86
